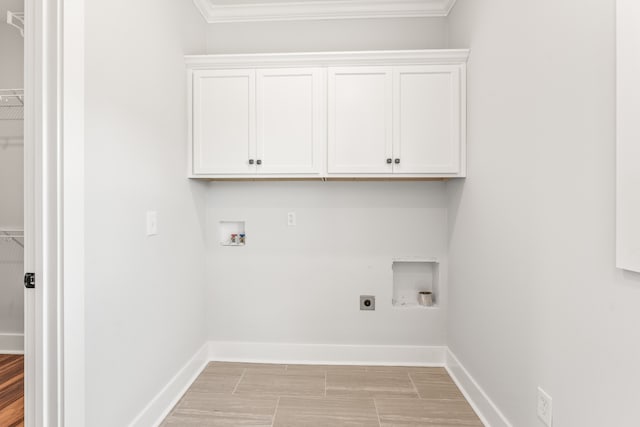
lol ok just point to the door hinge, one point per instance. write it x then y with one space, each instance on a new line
30 280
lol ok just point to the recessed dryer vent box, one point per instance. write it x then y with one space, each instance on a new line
412 276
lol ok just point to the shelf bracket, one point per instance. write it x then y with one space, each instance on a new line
16 20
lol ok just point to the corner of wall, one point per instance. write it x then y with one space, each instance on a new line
485 408
159 407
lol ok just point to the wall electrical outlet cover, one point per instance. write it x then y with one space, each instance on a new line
544 407
367 302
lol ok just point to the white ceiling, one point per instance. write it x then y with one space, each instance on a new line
220 11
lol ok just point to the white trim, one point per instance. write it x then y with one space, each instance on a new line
415 259
11 343
72 221
463 122
215 13
326 59
159 407
327 354
51 95
484 407
326 176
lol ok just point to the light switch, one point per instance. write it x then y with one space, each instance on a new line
152 223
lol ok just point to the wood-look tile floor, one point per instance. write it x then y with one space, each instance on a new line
245 394
11 390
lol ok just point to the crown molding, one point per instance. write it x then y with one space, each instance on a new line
327 59
215 13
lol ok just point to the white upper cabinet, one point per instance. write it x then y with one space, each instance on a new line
396 121
335 115
360 120
258 122
427 131
223 121
290 121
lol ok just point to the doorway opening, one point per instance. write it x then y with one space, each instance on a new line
12 324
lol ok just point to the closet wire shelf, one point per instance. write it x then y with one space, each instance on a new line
16 20
14 235
11 104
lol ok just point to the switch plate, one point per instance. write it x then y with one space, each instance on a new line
291 219
544 407
152 223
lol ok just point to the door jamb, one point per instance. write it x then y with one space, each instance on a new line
54 213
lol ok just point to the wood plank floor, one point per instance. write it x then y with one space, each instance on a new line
11 390
237 394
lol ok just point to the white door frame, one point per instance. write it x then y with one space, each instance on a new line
54 213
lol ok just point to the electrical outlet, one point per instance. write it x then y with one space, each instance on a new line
544 407
367 302
152 223
291 219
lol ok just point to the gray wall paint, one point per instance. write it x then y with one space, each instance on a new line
144 308
302 284
535 298
331 35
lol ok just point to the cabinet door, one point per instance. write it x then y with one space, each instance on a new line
427 119
223 121
290 120
360 120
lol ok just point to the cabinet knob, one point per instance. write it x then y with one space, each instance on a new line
388 161
250 161
259 162
397 161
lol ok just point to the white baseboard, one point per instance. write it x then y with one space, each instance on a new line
160 406
11 343
327 354
488 412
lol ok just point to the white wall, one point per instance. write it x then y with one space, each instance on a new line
302 284
11 180
144 307
535 298
330 35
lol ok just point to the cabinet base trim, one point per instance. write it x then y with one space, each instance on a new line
390 179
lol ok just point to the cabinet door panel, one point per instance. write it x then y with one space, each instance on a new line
360 120
427 118
290 120
223 121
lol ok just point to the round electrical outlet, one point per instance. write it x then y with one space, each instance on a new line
367 302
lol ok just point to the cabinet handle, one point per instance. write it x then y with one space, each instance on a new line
250 161
388 161
259 162
397 161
